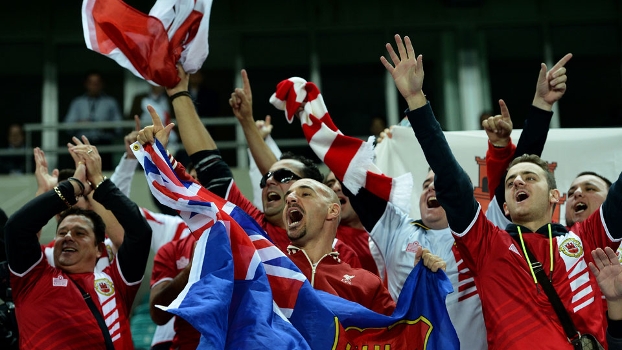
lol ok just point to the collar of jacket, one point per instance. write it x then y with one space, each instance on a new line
292 249
556 230
420 224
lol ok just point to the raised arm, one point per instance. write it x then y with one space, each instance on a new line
193 133
22 244
213 173
453 186
241 103
134 251
550 88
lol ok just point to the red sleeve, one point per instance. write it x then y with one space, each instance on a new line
593 231
497 161
480 241
164 264
382 302
347 254
236 197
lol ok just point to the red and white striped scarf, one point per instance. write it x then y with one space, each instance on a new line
349 158
149 45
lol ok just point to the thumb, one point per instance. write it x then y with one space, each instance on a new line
55 173
418 255
168 128
268 120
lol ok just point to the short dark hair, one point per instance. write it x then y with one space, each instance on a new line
606 180
65 174
532 158
99 227
310 170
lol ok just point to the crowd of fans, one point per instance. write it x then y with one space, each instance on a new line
513 276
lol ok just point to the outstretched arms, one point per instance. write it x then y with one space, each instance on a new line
453 186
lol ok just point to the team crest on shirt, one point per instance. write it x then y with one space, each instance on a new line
104 286
412 246
571 247
59 281
110 253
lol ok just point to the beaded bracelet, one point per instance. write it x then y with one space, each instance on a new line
181 93
61 196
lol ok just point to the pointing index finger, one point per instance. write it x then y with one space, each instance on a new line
157 122
505 112
246 82
562 62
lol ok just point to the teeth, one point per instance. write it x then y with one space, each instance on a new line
580 207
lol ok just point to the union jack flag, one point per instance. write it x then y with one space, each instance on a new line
244 293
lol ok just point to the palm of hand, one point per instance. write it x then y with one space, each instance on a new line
407 81
610 281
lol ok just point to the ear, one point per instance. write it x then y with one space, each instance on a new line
334 210
505 209
554 196
101 248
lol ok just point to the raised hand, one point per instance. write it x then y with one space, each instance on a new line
156 131
183 83
407 71
608 271
45 180
87 155
265 126
241 100
551 84
499 127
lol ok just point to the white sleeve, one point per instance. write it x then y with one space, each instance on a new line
165 228
495 215
254 173
123 174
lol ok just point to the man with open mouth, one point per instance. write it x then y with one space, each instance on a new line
500 258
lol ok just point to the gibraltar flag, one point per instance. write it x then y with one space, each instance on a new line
149 45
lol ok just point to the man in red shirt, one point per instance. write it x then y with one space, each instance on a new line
312 214
517 312
52 302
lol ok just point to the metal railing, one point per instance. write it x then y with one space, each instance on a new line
239 144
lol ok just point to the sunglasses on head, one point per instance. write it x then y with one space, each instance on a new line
281 175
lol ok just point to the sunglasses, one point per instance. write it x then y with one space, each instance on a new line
281 175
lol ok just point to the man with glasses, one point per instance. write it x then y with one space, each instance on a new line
214 174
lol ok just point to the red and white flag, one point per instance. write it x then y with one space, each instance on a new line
349 158
149 45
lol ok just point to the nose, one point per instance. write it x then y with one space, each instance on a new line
336 186
578 192
431 187
291 198
518 181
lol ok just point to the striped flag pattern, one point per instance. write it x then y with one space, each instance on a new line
244 293
351 159
149 45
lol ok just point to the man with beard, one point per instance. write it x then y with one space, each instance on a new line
312 214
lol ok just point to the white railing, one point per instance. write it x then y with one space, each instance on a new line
239 144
